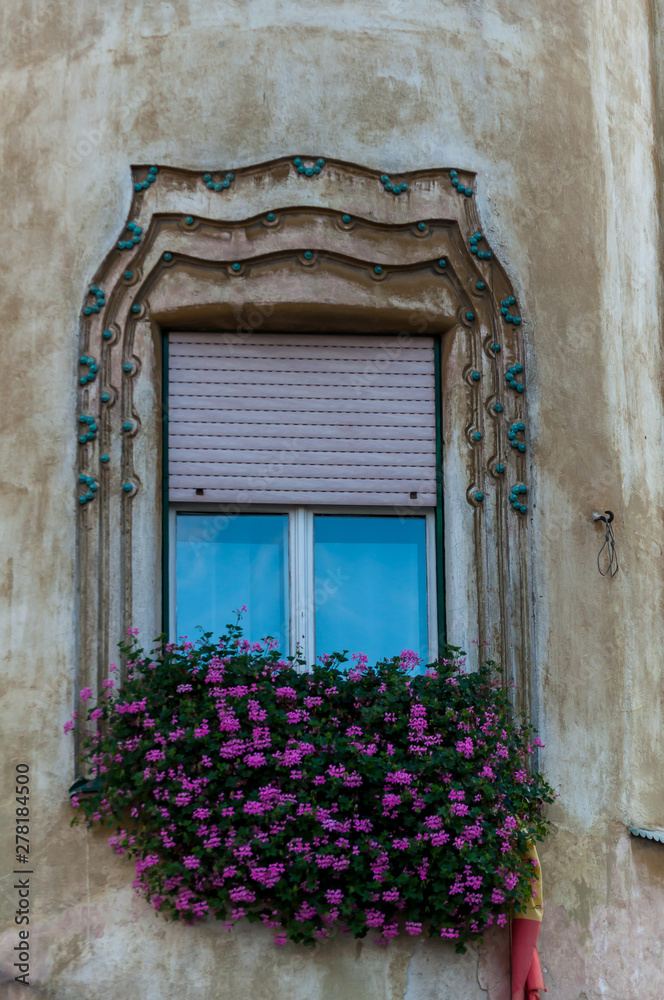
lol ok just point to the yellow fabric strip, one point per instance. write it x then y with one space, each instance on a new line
535 909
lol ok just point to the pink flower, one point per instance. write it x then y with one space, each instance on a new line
85 694
69 725
191 861
465 747
408 660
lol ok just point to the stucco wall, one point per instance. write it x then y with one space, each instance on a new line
555 110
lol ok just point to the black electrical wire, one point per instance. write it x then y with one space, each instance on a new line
610 555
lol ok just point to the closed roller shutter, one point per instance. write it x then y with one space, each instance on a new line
302 418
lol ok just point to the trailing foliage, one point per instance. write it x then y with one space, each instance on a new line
365 799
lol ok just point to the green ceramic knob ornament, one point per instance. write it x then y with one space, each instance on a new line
237 266
104 459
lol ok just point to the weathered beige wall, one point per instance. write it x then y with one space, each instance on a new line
555 106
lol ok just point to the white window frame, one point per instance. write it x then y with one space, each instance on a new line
302 598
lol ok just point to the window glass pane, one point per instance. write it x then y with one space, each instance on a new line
225 562
371 585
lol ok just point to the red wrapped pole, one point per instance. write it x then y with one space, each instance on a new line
525 927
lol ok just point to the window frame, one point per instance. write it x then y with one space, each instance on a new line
301 578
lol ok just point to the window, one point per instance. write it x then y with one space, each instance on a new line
302 473
315 581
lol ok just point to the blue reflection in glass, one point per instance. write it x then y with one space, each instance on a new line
371 586
224 562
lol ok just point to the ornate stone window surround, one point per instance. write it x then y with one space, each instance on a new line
283 246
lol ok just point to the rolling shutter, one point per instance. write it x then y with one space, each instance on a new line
301 419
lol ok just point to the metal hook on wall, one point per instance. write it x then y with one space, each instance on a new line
610 558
